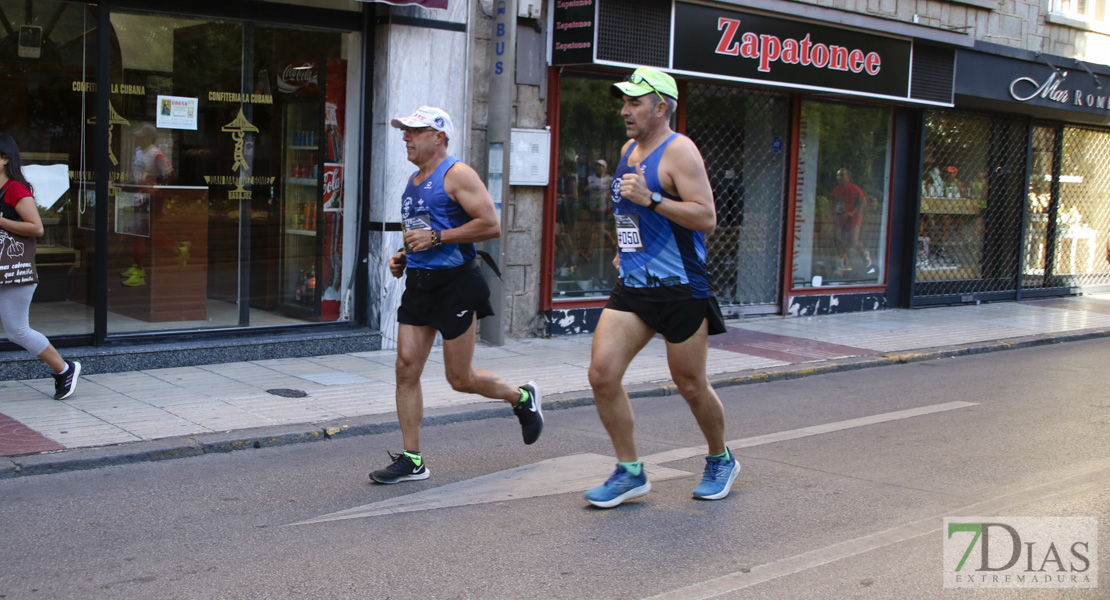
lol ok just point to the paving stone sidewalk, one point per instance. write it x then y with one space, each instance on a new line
163 413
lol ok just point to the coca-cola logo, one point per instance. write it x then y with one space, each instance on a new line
297 76
333 180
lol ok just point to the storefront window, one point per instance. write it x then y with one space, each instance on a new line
1083 217
746 159
840 212
972 189
226 208
591 134
954 197
1039 204
226 168
48 55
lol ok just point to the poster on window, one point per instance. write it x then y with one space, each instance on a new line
176 112
133 214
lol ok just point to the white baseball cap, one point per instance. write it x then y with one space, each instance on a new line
601 161
427 116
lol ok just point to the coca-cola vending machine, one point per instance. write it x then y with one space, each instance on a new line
312 94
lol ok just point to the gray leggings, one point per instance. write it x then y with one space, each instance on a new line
15 304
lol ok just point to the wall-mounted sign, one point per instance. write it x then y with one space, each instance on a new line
177 112
572 32
763 49
1032 83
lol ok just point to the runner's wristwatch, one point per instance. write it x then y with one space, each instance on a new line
656 200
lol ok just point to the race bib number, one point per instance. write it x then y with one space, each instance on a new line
628 233
421 221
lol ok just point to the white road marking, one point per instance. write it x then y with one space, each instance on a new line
580 472
793 434
739 580
574 473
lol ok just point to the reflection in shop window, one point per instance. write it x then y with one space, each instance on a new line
840 213
591 133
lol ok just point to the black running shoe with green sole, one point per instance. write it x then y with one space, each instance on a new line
530 413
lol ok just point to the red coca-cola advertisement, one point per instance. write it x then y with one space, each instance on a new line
335 109
333 188
300 78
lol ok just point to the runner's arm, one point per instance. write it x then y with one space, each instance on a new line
465 187
683 169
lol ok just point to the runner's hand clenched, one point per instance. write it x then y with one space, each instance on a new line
634 186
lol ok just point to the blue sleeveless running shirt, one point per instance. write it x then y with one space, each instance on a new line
427 206
670 262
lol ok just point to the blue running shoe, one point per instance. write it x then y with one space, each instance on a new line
718 478
620 486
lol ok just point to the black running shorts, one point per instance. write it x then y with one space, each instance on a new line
677 320
445 299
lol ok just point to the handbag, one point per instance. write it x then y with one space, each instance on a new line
17 252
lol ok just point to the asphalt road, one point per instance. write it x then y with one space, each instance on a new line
846 480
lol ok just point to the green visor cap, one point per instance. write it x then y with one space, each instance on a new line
643 81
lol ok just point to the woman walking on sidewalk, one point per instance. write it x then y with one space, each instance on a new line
19 226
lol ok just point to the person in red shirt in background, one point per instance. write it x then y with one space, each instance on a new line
20 224
150 167
848 204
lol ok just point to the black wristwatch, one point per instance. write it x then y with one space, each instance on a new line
436 241
656 200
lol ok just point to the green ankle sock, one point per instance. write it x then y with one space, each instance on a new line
633 468
415 457
725 456
523 397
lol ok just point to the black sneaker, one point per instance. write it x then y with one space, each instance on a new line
65 383
530 413
402 469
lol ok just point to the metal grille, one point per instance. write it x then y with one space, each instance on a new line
973 235
742 137
1082 215
634 31
971 205
1039 203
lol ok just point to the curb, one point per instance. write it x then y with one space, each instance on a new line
198 445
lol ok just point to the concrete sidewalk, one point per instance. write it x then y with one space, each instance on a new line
165 413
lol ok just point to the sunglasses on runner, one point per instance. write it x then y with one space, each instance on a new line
637 79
